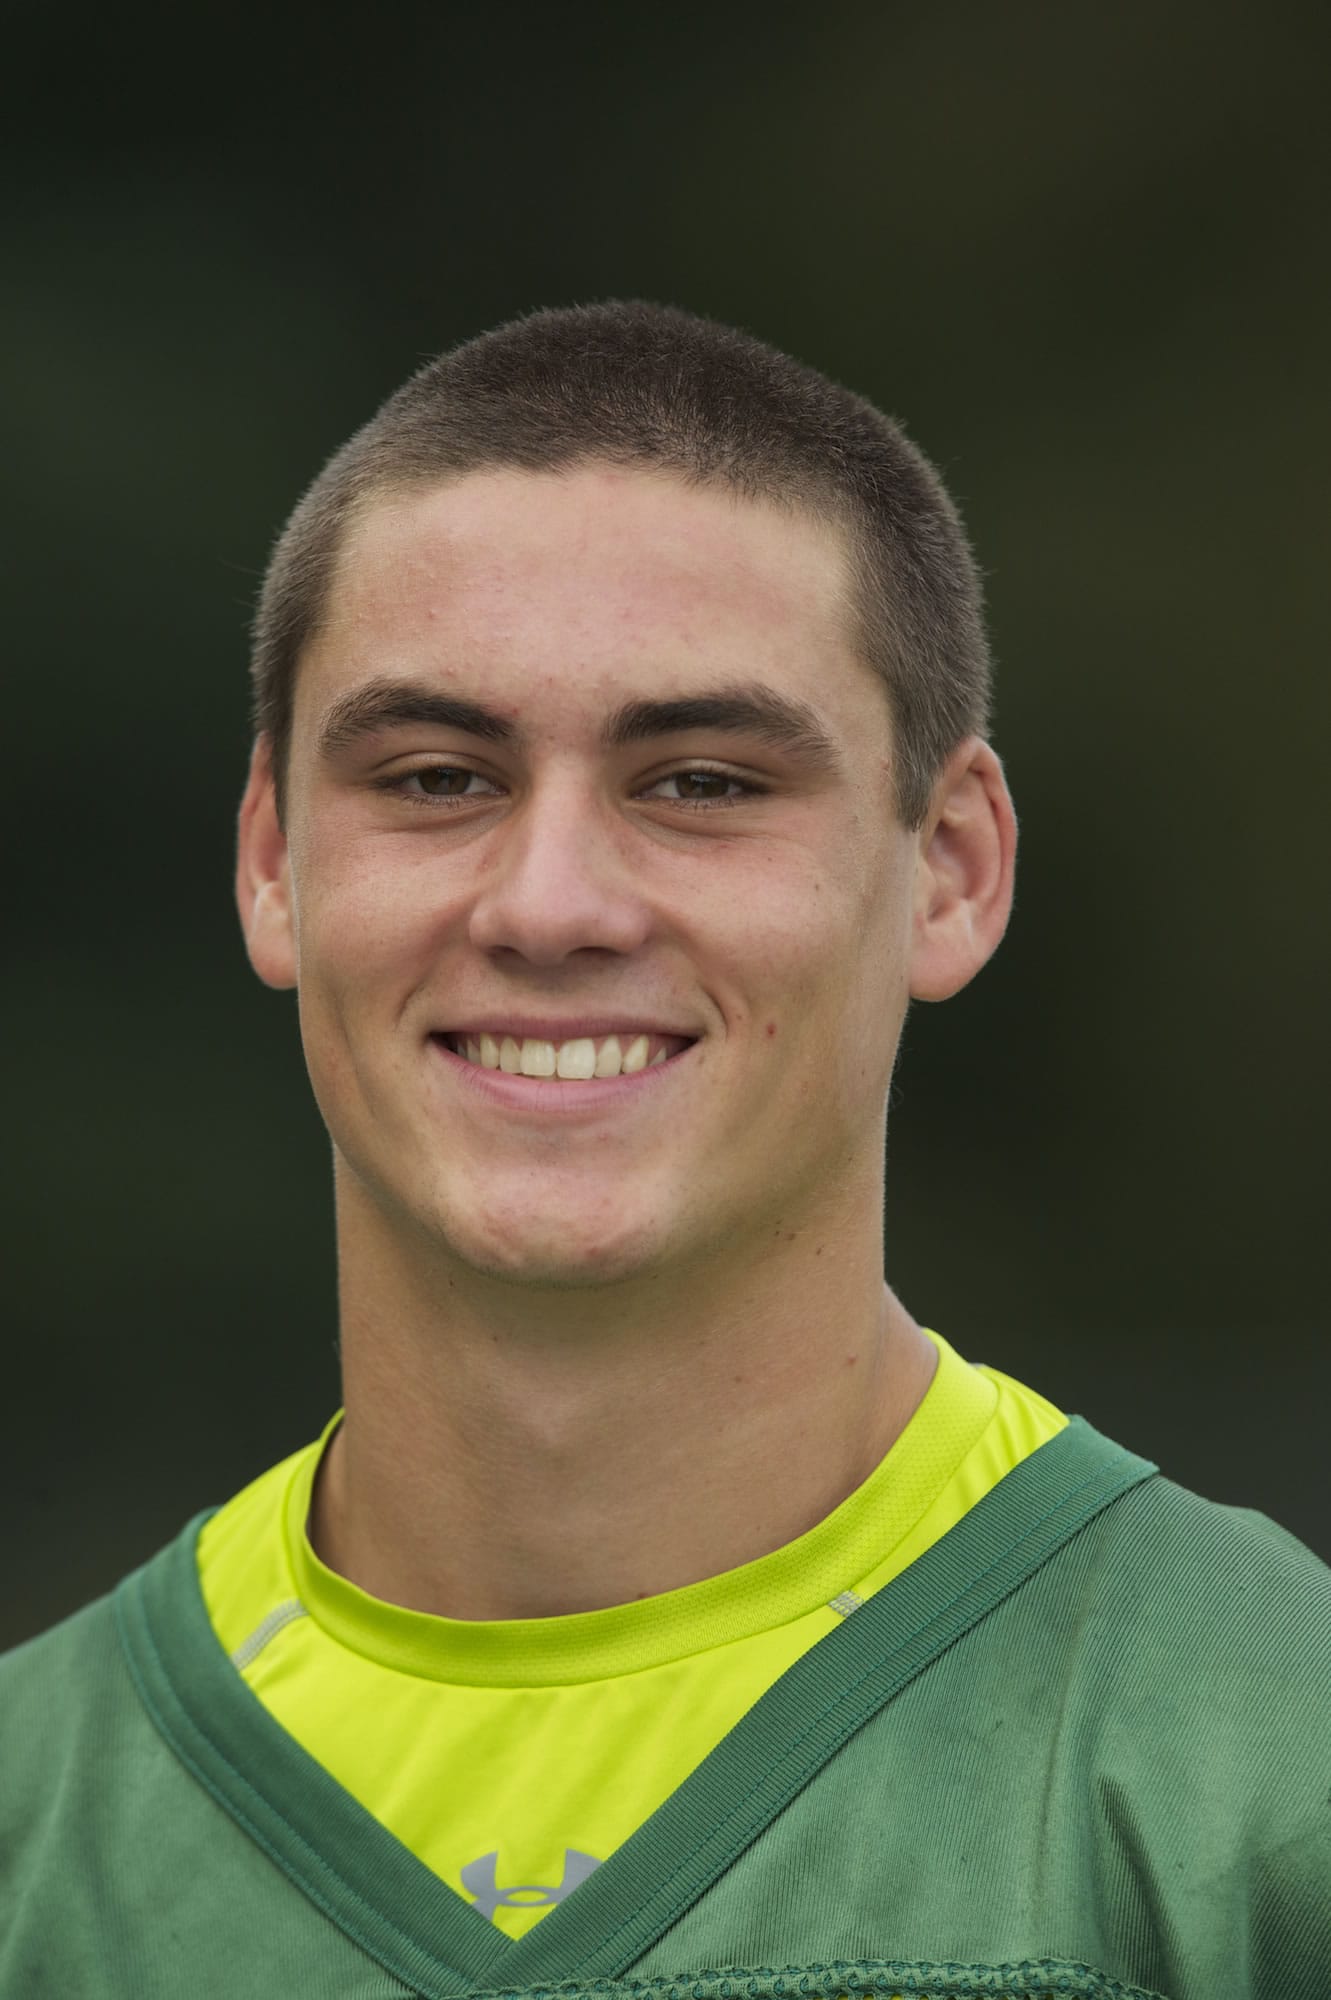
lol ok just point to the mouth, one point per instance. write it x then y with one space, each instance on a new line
587 1058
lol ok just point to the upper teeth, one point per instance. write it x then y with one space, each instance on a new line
582 1058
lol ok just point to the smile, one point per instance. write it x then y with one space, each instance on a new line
578 1059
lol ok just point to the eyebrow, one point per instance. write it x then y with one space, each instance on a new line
387 704
746 709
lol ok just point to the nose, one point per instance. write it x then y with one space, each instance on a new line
558 879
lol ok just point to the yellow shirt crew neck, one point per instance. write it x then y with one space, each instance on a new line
512 1756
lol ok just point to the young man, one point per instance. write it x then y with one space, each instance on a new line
666 1606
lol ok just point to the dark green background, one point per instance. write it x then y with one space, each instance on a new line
1081 252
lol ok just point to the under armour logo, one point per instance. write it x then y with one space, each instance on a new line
480 1879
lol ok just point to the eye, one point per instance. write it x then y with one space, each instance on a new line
700 786
441 784
450 781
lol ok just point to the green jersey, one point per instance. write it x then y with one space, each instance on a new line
1081 1746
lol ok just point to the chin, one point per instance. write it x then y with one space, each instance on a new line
547 1268
520 1228
535 1250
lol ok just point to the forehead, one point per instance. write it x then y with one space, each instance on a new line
590 582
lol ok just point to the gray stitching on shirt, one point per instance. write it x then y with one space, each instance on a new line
268 1628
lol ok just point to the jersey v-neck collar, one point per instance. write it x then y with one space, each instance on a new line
802 1576
418 1928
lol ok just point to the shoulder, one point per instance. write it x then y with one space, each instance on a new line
71 1718
49 1679
1173 1562
70 1728
64 1701
1197 1640
1158 1577
1203 1610
1204 1698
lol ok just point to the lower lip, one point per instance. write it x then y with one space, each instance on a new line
559 1097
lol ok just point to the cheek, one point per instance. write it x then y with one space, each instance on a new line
366 926
366 944
838 997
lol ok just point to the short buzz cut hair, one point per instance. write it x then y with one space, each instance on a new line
629 383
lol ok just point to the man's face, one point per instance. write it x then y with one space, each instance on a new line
658 812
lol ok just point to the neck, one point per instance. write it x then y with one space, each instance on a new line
523 1453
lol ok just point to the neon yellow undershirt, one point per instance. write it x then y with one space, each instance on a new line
526 1750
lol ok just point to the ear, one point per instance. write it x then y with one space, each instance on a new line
964 875
263 877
